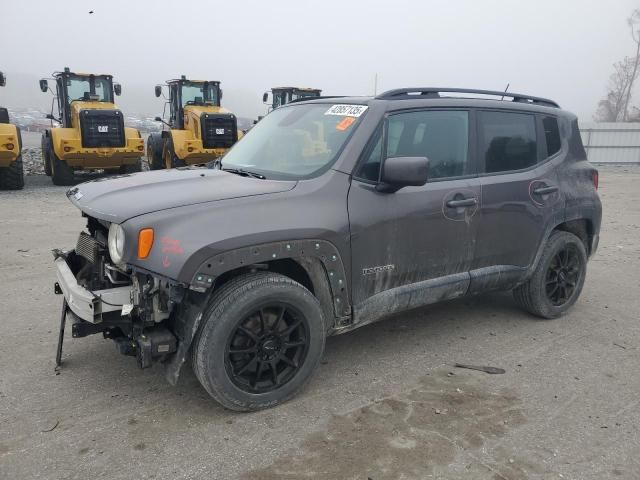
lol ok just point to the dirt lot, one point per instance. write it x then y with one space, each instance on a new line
385 404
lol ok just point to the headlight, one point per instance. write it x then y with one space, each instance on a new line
116 243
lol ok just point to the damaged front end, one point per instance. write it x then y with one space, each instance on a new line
135 309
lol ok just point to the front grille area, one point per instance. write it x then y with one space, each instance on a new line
219 130
87 247
102 128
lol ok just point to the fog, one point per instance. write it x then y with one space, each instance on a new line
563 50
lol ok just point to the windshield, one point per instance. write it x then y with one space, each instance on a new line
79 88
297 141
199 94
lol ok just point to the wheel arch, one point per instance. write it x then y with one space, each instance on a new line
584 228
315 264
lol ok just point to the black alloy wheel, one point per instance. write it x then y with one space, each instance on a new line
563 275
267 348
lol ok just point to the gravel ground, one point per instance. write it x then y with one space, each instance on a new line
385 403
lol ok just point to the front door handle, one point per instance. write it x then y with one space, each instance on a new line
465 202
545 190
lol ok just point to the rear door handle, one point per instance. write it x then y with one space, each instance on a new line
465 202
545 190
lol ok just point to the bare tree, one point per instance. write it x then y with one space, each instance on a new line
634 24
615 106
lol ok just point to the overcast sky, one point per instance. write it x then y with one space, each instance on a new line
562 49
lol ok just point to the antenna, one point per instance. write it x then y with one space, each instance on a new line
375 84
506 89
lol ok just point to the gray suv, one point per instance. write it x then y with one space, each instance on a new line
329 215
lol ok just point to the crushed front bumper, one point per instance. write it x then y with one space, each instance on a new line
90 306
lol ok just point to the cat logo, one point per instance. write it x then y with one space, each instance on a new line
103 128
219 131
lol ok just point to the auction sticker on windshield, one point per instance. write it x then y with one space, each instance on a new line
346 110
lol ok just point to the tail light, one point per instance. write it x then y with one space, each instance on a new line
10 146
140 148
595 178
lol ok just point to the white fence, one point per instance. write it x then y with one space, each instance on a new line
611 142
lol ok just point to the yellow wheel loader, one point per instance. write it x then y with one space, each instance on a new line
11 173
90 134
198 130
282 95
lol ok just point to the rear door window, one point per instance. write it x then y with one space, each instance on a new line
507 141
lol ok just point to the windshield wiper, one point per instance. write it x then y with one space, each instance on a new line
245 173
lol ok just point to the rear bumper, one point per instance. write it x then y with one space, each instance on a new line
7 157
8 137
595 240
85 304
77 156
199 154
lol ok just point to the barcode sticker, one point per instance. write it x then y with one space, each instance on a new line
347 110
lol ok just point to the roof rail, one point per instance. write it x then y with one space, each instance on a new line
433 92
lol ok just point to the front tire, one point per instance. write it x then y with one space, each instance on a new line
558 279
261 339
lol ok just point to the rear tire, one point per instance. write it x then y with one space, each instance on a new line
261 339
12 177
133 168
558 279
61 173
169 155
154 152
45 148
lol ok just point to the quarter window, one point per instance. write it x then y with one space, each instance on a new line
551 135
508 141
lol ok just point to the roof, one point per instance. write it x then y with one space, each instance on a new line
178 80
81 74
412 97
304 89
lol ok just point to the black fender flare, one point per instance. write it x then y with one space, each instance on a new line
319 258
584 215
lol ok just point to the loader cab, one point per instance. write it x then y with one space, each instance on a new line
81 87
282 95
183 93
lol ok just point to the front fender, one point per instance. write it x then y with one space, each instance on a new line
325 253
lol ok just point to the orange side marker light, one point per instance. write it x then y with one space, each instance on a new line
145 242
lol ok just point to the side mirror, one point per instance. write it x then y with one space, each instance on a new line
158 119
3 80
265 97
49 116
44 85
399 172
117 89
158 90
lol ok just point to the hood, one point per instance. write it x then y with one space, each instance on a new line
117 199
